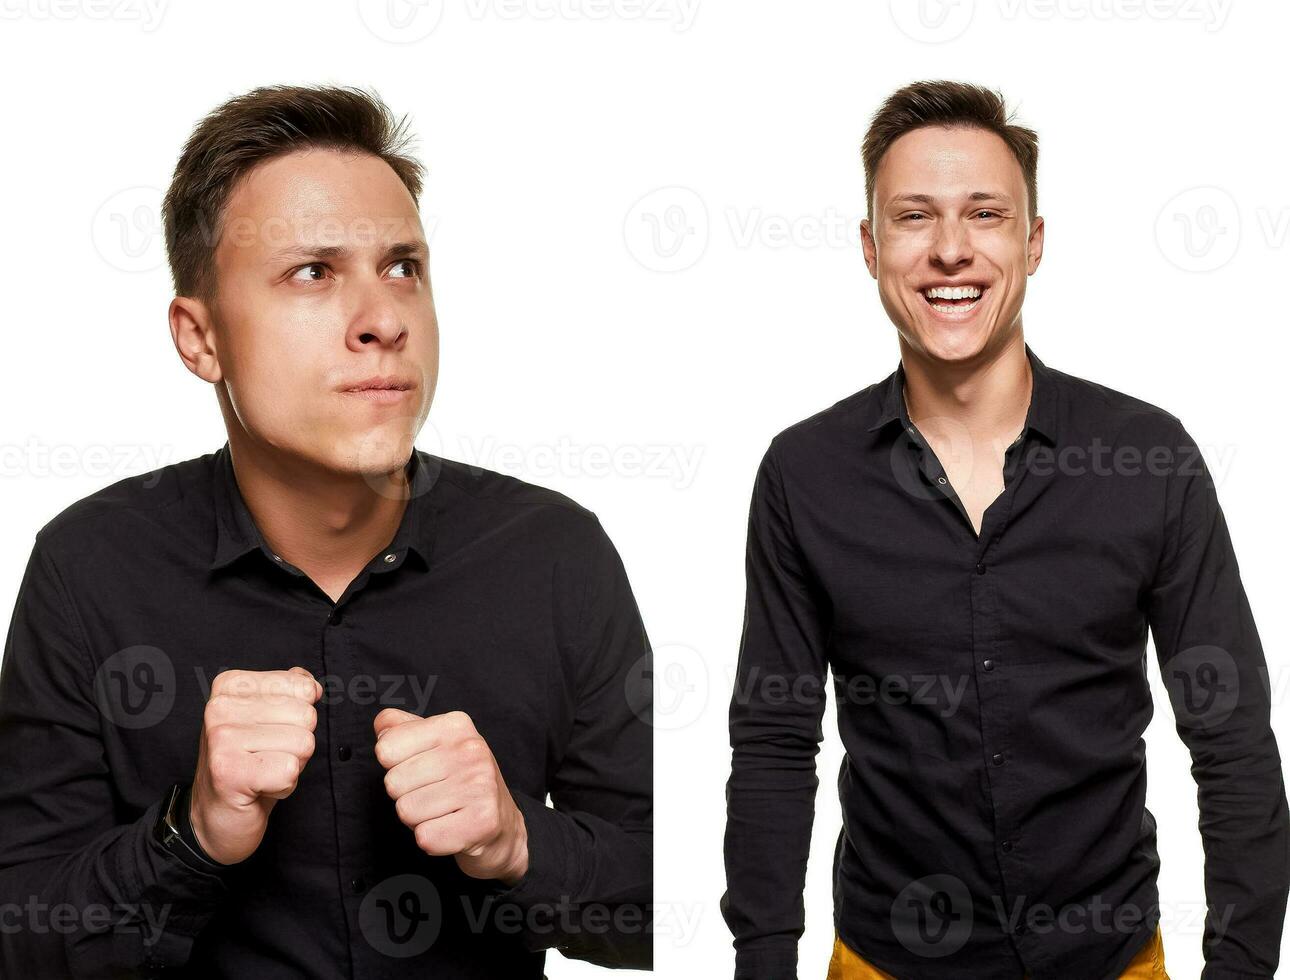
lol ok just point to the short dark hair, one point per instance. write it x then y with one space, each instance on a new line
945 103
250 129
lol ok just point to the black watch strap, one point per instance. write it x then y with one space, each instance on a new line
174 829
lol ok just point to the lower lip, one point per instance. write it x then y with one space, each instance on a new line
380 396
958 313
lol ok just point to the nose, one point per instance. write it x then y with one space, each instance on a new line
377 319
951 246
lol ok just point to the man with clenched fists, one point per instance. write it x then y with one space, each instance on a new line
320 703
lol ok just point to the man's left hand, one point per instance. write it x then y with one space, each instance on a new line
447 788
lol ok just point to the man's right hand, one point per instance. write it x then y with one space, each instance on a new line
257 735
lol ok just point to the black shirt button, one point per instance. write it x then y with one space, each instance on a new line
997 758
358 884
980 569
988 664
1006 846
335 616
343 753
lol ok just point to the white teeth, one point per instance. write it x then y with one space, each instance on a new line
952 292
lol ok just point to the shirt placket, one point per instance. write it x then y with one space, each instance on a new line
346 709
995 713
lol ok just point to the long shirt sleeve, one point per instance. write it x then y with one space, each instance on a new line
775 733
1213 666
87 891
588 890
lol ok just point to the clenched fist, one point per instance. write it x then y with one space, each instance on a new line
447 788
257 735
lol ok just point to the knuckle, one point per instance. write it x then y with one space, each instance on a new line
459 720
404 810
425 837
221 706
223 680
217 739
238 682
222 769
282 770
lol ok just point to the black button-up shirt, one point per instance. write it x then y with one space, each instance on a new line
497 598
992 694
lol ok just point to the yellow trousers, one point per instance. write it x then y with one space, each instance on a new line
846 964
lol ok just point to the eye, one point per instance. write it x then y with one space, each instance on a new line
908 217
987 211
416 268
295 275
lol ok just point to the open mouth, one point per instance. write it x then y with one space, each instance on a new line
954 301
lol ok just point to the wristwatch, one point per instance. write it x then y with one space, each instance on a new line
174 831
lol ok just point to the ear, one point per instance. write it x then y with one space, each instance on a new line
192 330
1035 246
869 246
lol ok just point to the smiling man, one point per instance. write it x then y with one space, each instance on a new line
294 707
1011 533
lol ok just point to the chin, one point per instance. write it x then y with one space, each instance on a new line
383 449
949 344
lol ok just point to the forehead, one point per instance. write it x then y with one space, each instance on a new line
317 197
948 161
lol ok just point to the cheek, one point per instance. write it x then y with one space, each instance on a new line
427 357
430 358
1013 282
276 380
896 291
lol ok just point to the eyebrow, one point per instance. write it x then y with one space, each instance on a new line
399 250
974 196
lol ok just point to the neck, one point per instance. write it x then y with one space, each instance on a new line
325 522
989 395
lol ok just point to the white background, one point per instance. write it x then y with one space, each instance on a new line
644 376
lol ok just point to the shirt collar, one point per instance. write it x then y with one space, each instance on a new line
236 532
1041 418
